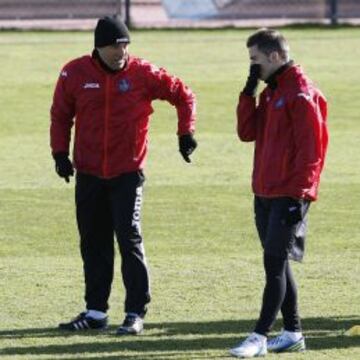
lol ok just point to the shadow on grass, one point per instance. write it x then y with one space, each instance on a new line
169 340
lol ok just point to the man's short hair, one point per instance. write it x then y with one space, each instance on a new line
268 41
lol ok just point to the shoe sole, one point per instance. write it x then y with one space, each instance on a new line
81 330
293 348
233 353
122 333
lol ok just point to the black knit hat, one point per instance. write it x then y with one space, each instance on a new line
111 30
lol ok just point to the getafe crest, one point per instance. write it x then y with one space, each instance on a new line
280 103
124 85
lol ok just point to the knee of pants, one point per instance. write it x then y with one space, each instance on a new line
130 244
274 266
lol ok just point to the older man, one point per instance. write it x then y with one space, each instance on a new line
109 94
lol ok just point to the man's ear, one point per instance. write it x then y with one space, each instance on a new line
275 57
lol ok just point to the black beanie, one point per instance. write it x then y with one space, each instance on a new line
111 30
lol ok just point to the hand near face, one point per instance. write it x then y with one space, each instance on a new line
252 80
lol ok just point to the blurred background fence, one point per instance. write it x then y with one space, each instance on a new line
168 13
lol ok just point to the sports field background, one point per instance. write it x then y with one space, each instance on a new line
200 239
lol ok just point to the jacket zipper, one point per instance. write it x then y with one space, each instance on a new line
261 167
106 126
135 147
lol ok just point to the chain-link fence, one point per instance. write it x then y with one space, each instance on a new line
269 9
167 12
57 9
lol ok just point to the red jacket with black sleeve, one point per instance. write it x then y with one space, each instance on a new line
290 133
111 113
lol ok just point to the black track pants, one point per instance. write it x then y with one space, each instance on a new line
281 241
105 207
280 293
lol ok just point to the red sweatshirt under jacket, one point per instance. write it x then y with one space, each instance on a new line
112 113
290 133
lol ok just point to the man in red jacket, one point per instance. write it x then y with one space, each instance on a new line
109 94
288 126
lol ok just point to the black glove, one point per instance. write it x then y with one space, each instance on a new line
252 80
292 212
63 165
187 144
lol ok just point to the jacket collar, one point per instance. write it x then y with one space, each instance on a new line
273 80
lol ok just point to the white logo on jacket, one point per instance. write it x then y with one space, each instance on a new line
305 96
91 86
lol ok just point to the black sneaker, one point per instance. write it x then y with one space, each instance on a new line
132 325
83 322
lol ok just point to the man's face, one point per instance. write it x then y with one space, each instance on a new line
268 63
115 55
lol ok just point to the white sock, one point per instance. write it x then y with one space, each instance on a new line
293 335
95 314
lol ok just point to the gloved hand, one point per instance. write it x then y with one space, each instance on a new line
252 80
63 165
187 144
292 212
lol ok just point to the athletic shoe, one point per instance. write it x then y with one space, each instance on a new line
132 325
253 346
284 343
84 322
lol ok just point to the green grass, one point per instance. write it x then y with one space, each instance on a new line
200 239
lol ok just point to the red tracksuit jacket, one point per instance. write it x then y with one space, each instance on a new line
112 113
290 133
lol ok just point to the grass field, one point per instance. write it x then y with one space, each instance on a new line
201 243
